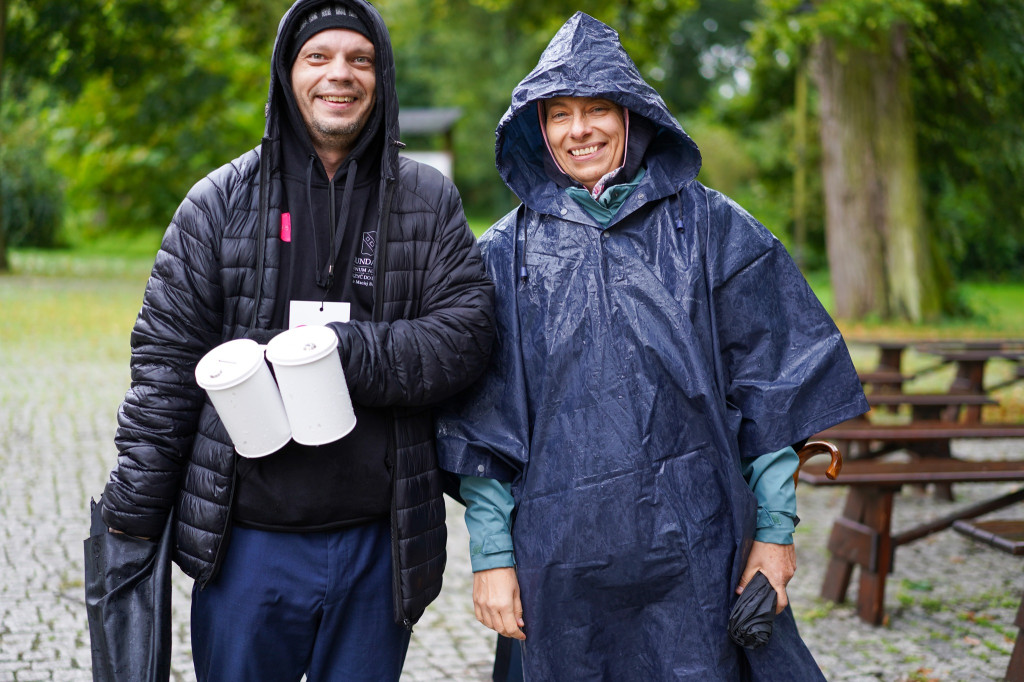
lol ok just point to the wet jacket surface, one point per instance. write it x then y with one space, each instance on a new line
635 366
215 278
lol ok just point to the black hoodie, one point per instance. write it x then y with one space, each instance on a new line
328 256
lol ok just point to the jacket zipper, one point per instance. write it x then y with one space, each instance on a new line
389 455
261 234
332 226
382 243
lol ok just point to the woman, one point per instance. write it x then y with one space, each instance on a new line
658 356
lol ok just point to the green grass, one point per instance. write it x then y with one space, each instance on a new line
997 310
111 256
70 304
92 295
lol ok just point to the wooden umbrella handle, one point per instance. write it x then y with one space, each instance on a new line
821 447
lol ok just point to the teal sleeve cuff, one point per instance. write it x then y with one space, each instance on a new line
775 528
489 506
770 477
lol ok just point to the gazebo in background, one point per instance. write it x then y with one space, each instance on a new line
431 127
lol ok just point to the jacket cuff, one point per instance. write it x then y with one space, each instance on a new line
495 552
775 527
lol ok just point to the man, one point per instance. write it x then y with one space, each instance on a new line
311 561
658 357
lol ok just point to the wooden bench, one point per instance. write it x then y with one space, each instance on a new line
926 437
889 381
930 406
970 370
918 400
862 536
927 433
1006 536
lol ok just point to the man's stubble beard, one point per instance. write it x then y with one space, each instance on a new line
343 135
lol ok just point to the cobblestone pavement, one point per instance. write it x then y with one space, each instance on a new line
951 603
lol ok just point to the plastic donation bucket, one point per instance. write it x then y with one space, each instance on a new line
238 380
312 384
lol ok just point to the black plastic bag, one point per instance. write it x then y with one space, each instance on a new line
128 602
753 614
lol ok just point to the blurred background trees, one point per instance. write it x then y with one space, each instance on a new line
877 138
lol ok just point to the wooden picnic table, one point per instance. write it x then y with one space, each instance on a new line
934 420
887 375
926 406
968 344
925 438
862 536
971 365
883 381
970 371
969 355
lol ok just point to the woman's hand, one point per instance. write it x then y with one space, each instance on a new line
497 603
777 562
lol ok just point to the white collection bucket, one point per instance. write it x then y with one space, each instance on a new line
312 384
238 380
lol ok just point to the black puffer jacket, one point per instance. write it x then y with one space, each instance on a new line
215 278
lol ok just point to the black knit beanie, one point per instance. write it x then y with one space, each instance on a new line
324 18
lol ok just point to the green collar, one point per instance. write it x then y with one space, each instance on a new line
607 205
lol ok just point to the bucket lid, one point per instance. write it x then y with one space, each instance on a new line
229 364
302 345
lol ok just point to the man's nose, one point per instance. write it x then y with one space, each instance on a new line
339 69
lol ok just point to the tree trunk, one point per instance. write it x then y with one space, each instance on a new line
800 114
4 264
880 257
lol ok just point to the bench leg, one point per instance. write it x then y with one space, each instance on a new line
938 449
840 566
871 593
862 537
970 378
1015 671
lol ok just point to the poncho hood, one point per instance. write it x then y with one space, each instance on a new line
586 59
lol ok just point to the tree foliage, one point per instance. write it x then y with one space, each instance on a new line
969 92
967 63
31 200
145 97
472 53
133 148
131 101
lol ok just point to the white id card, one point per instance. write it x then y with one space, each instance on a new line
306 313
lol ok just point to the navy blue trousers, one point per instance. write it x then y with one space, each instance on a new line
289 604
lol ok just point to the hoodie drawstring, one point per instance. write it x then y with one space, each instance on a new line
521 218
325 275
523 275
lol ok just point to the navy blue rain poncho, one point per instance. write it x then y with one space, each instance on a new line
636 365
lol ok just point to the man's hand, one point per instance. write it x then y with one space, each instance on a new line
497 603
777 562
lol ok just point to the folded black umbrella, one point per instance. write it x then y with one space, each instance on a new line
753 614
128 603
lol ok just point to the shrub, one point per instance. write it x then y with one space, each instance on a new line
31 199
